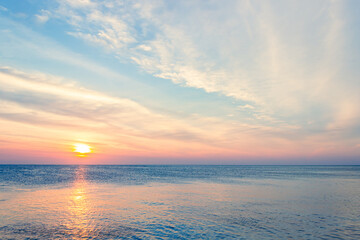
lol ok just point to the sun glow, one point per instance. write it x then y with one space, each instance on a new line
81 149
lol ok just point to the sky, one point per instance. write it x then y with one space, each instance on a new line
180 82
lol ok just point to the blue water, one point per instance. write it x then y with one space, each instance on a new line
179 202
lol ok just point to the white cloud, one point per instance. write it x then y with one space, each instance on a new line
2 8
39 46
246 107
144 48
54 108
43 17
244 52
79 3
282 58
47 100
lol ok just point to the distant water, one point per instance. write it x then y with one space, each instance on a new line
179 202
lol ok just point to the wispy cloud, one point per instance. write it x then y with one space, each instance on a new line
55 109
50 103
250 52
43 17
2 8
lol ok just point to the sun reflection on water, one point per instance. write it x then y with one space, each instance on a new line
79 223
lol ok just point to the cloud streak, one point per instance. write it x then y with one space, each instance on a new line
251 52
58 111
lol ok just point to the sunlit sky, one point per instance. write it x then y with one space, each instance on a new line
180 82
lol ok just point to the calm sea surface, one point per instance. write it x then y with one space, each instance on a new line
179 202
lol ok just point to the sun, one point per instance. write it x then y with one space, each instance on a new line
81 149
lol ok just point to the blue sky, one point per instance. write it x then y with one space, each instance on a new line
236 81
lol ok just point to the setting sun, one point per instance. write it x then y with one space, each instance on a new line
82 149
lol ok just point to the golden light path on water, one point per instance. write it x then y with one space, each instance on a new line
84 209
79 208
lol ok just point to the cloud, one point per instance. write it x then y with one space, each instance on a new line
43 17
2 8
34 46
246 106
53 103
79 3
244 50
58 110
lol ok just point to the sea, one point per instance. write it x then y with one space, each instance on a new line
179 202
